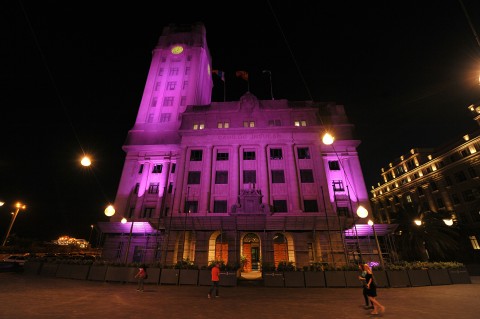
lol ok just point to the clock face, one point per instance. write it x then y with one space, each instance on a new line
177 49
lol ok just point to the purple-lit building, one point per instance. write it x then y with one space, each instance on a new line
251 178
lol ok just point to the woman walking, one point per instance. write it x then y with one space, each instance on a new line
372 291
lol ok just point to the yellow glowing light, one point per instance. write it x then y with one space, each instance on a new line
362 212
86 161
448 222
124 220
417 222
2 203
370 222
327 139
109 211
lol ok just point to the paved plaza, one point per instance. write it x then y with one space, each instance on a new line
34 297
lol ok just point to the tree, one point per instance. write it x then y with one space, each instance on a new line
431 240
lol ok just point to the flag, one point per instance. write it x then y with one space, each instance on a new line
242 74
221 74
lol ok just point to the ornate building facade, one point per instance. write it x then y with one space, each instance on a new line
246 179
445 179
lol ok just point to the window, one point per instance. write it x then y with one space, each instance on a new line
160 71
140 170
310 205
279 206
474 242
153 103
183 101
165 117
300 123
440 203
274 123
148 212
465 152
409 199
306 176
460 176
303 153
173 71
472 172
171 85
248 155
223 125
278 176
221 177
157 86
185 85
170 188
168 101
157 168
150 118
198 126
248 123
174 165
196 155
433 185
153 188
187 70
420 190
137 188
222 156
337 186
193 178
342 211
191 206
249 177
333 165
276 153
220 206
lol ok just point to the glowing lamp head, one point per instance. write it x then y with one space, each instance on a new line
86 161
124 220
327 139
417 222
370 222
448 222
362 212
2 203
109 211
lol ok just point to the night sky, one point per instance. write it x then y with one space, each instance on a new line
73 73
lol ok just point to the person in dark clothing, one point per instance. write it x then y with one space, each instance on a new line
372 291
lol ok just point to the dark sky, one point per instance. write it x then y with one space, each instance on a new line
73 73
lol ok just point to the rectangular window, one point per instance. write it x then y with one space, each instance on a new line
220 206
198 126
193 178
433 185
157 86
157 169
153 188
168 101
171 85
150 118
303 153
148 212
440 203
474 242
160 71
183 101
333 165
248 155
221 177
165 117
306 176
310 205
338 186
174 165
248 124
185 85
249 177
274 123
276 154
173 71
153 103
223 125
300 123
278 176
222 156
187 70
137 188
280 206
196 155
342 211
140 170
170 188
191 206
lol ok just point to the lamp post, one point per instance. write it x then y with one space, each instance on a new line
380 256
90 236
124 221
18 206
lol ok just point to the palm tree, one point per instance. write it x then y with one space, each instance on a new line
432 239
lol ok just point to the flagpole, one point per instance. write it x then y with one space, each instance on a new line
271 87
224 89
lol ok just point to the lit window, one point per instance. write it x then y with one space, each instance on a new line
474 242
198 126
301 123
223 125
248 124
201 126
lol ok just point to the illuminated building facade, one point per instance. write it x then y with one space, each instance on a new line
444 179
208 181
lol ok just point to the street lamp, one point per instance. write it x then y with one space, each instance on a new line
371 223
90 236
18 206
124 221
110 211
417 222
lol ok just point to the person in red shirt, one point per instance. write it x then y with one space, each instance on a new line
141 275
215 281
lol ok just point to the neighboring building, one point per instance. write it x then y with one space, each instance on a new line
211 181
445 179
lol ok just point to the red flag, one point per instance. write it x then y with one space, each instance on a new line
242 74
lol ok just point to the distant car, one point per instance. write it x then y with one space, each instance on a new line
20 260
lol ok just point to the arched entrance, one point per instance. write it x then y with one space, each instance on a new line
251 252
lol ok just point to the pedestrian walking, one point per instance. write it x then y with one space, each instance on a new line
362 276
372 291
215 280
141 275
